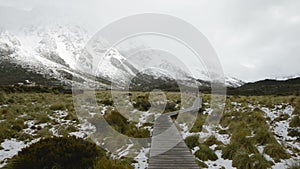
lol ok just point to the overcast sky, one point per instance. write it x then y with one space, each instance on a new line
254 39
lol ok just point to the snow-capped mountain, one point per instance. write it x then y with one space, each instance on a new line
51 51
58 51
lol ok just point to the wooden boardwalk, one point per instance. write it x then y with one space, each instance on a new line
168 149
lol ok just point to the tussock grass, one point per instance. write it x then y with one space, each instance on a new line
192 141
297 110
242 160
201 164
276 151
197 127
263 136
120 123
230 150
295 122
282 117
205 153
2 98
212 141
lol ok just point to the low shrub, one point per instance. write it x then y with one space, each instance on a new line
57 152
103 163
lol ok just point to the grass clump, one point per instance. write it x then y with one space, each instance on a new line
2 98
241 160
293 132
282 117
230 150
201 164
212 141
120 123
192 141
18 125
205 153
57 106
103 163
255 161
6 131
263 136
198 123
276 151
295 122
297 110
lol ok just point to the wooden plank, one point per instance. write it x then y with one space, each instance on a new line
168 150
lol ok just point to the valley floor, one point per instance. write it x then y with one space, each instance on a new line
254 132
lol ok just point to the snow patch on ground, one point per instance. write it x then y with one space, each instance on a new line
142 159
11 147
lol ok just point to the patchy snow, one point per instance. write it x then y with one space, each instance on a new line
142 159
11 147
195 149
143 118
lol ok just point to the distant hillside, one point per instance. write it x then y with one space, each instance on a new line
11 73
268 87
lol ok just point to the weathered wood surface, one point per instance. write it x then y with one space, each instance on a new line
168 149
